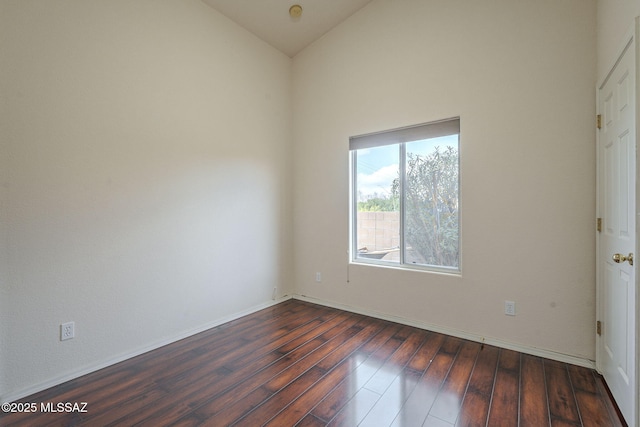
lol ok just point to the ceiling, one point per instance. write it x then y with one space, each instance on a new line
270 19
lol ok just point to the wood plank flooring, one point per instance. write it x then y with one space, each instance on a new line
300 364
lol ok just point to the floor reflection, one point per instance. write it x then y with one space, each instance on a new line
383 393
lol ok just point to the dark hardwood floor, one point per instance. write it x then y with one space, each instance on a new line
307 365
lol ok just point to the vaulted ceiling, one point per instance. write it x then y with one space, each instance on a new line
270 19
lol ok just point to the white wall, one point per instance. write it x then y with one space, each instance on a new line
145 188
521 76
615 17
4 241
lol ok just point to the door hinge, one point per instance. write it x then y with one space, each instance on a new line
599 224
599 327
599 121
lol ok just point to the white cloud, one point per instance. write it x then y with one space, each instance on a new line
378 182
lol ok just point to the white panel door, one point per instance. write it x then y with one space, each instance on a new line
617 242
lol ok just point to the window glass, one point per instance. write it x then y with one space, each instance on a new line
378 207
431 202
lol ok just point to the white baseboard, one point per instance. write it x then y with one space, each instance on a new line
52 382
534 351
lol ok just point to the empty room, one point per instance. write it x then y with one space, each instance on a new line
313 212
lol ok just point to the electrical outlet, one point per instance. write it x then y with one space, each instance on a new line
318 277
510 308
67 331
275 291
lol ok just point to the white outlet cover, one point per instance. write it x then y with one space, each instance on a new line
510 308
67 331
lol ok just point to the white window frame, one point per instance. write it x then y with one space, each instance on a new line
400 137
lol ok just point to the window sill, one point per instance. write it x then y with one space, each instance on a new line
455 272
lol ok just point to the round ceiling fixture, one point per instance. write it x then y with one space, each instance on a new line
295 11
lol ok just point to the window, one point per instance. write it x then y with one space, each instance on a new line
405 196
